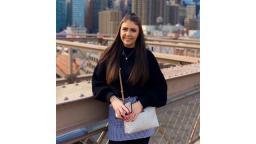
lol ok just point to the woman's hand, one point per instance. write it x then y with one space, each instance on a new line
136 109
119 108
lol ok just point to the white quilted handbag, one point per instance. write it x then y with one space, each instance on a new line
145 120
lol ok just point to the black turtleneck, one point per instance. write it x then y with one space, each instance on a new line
153 93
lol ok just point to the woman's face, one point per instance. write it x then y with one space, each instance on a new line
129 32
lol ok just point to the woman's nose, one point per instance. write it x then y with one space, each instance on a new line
128 32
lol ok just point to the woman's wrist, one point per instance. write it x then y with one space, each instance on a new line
112 98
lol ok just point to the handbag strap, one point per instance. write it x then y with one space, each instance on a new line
121 85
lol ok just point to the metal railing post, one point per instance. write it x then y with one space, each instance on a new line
70 66
194 129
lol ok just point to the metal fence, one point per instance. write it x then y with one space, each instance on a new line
179 122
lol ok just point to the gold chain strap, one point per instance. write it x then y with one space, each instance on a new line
122 89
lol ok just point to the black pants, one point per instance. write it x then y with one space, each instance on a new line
136 141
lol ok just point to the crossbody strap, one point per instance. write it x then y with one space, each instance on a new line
121 85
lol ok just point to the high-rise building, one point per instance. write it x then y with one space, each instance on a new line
103 4
188 2
116 4
150 11
69 13
179 2
161 5
155 10
125 6
140 7
191 11
97 6
192 24
122 7
182 14
129 6
78 13
197 3
109 21
89 16
61 15
110 4
174 14
171 14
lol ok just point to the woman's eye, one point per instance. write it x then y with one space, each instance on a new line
133 30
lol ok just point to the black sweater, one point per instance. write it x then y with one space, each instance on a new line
152 93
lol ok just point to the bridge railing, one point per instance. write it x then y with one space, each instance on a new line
74 102
179 123
77 54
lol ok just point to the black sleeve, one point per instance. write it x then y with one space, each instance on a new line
100 89
156 89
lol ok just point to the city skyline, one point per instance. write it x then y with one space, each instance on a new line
85 13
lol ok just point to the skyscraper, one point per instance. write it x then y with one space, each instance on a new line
129 6
191 11
161 4
69 13
197 3
103 5
61 15
109 21
140 7
192 24
150 7
188 2
97 6
182 14
149 10
125 6
122 7
110 4
89 16
174 14
78 13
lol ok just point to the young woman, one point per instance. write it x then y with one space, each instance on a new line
144 84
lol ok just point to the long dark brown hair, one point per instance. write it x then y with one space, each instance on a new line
139 73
